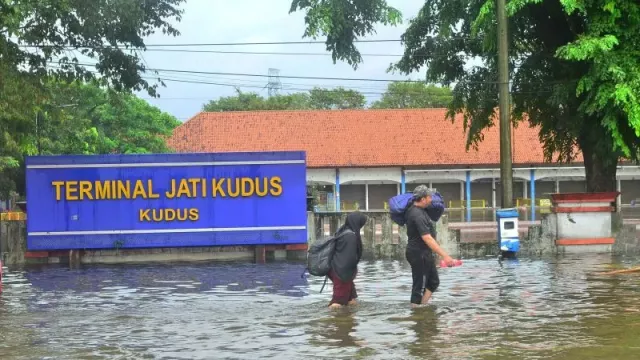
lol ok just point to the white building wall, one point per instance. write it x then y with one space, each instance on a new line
391 175
321 176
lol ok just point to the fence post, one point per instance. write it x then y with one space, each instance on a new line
386 249
368 239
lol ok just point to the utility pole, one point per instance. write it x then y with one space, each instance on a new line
506 172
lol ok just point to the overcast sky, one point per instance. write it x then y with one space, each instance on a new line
226 21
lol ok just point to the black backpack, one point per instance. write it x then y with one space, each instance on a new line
320 254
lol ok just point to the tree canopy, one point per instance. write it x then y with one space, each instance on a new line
81 118
399 95
56 42
315 99
58 37
412 95
574 67
87 119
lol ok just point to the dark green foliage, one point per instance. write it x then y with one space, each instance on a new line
316 99
575 67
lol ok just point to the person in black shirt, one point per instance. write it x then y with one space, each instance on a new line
344 263
420 247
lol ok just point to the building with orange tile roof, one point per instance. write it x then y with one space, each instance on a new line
363 157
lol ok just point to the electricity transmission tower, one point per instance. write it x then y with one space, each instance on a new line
274 85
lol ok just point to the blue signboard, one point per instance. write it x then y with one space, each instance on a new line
165 200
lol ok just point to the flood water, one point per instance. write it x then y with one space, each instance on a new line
527 309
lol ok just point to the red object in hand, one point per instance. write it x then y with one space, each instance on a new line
456 262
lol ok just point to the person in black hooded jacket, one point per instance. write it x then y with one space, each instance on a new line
344 263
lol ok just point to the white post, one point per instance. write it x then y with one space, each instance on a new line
493 193
557 185
462 191
619 198
398 189
430 185
366 196
524 189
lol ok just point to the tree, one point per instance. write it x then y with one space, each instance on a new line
413 95
87 119
574 67
254 102
336 99
68 40
80 118
17 93
316 99
35 34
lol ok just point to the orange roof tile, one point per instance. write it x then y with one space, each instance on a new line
360 138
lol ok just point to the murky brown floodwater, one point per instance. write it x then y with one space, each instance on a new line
531 309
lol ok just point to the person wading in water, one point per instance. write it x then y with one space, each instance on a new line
344 263
420 247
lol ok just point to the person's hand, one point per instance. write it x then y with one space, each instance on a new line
448 260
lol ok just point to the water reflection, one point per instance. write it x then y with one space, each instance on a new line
224 278
424 324
485 309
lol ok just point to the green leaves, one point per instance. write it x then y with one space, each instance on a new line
587 47
343 22
316 99
572 6
335 99
399 95
48 37
574 68
85 119
103 122
513 6
41 44
413 95
610 87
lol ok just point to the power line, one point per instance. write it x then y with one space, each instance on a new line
297 77
236 85
210 44
311 42
273 53
301 89
273 43
260 75
324 54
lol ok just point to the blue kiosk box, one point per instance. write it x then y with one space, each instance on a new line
508 236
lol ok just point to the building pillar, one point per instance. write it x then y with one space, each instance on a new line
619 198
430 185
403 180
468 184
260 254
524 189
462 191
557 186
366 196
337 190
493 193
532 182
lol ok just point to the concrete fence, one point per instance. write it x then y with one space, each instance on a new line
382 239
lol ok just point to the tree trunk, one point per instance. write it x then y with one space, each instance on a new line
600 169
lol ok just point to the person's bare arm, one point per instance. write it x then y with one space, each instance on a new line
433 245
